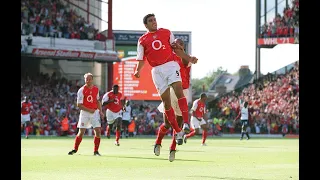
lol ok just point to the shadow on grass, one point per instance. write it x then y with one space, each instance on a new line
150 158
224 178
168 150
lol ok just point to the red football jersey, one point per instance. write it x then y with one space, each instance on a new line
184 72
198 108
25 108
88 97
155 47
116 105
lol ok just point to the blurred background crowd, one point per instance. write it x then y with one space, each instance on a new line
273 99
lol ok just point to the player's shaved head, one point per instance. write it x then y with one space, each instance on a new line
115 88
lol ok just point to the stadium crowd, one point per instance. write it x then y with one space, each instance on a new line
51 18
283 26
274 104
54 98
274 101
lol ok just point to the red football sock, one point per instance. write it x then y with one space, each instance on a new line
183 105
27 129
161 133
96 141
204 136
192 133
77 142
172 119
173 143
117 135
108 130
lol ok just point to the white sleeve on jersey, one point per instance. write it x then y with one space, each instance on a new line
195 105
98 96
171 37
105 97
80 96
140 52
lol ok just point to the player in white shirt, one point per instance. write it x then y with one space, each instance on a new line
126 118
244 116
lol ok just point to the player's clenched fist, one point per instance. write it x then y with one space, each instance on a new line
136 74
193 60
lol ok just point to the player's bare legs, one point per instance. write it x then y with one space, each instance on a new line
183 104
96 140
77 140
173 143
118 123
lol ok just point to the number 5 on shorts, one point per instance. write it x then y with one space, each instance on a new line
177 73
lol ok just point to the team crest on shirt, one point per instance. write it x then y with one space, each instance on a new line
154 36
90 92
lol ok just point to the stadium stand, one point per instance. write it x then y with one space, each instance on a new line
274 99
283 26
52 98
51 18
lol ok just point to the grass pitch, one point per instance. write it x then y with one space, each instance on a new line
222 159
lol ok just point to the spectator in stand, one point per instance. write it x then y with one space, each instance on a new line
275 99
290 16
50 18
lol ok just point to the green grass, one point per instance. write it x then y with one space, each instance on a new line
222 159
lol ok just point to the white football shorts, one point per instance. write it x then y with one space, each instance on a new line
25 118
112 116
195 123
164 75
86 119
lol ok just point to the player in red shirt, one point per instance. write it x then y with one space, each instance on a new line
25 115
156 46
198 110
185 68
88 101
112 101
